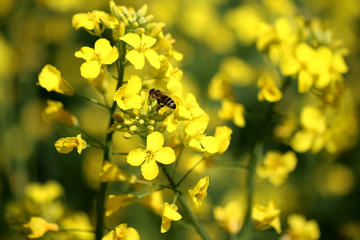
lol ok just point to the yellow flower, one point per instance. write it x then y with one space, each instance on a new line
277 166
122 232
312 135
170 214
101 54
50 79
232 111
79 219
39 227
43 194
89 21
127 96
154 152
219 88
199 191
230 217
141 50
268 90
111 173
223 136
54 111
266 217
115 202
196 138
66 145
300 229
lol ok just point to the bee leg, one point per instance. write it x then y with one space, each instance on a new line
159 106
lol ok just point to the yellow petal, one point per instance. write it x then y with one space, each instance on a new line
136 58
305 81
134 102
115 202
302 141
197 125
50 79
136 157
165 155
210 144
132 39
153 58
85 53
149 169
134 85
154 141
90 69
148 41
106 53
80 20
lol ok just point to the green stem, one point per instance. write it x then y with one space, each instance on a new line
76 230
100 204
177 159
149 193
90 137
152 184
254 149
119 153
199 228
190 170
91 100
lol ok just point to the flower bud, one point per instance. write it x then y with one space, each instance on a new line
141 121
140 31
127 135
157 29
135 24
150 129
141 21
148 18
133 128
162 127
151 122
128 122
142 11
115 10
124 11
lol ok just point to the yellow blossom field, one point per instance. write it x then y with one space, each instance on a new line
184 119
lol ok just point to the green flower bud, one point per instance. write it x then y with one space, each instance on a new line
128 122
150 129
127 135
141 121
151 122
142 11
148 18
115 10
133 128
162 127
140 31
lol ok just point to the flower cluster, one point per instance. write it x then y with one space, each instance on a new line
151 105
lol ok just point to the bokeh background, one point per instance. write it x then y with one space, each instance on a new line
324 186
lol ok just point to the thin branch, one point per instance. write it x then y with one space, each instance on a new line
91 100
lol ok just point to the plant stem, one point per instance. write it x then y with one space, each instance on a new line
100 204
190 170
90 137
254 149
91 100
199 228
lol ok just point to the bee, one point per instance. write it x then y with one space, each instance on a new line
162 99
